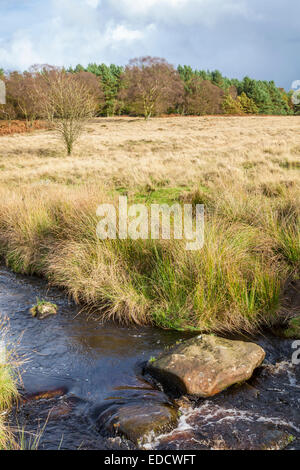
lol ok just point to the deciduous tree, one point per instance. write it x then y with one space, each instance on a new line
202 97
151 86
67 103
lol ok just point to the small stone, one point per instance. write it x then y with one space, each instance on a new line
43 309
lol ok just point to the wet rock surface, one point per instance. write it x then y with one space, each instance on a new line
205 365
43 394
138 417
263 413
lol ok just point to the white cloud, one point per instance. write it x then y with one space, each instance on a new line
20 51
121 33
93 3
237 36
72 31
206 12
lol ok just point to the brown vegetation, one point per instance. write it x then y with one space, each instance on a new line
19 127
150 87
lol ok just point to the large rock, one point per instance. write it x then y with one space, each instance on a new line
205 365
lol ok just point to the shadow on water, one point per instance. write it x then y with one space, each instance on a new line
78 369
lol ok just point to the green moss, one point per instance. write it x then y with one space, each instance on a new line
158 196
293 330
43 309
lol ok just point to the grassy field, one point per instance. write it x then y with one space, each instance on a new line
245 170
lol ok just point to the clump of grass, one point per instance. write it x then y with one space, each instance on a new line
233 283
8 390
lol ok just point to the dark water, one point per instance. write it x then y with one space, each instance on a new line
94 364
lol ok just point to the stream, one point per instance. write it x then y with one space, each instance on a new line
75 366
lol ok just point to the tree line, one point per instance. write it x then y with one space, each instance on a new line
147 86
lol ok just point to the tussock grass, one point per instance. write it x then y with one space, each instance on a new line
8 389
252 227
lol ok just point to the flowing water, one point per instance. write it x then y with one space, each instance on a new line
76 366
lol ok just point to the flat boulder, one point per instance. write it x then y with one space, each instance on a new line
205 365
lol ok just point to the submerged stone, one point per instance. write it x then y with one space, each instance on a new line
136 420
205 365
43 309
214 427
45 394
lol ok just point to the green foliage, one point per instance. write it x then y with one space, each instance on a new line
203 93
110 80
293 330
231 106
111 83
265 97
247 105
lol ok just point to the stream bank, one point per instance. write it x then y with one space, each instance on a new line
78 370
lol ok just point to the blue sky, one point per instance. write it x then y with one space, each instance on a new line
259 38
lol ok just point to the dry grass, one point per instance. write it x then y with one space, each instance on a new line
172 151
245 171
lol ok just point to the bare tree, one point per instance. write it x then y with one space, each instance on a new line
150 86
67 103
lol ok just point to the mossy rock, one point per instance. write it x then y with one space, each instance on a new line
43 310
293 330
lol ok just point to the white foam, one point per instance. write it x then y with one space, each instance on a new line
210 414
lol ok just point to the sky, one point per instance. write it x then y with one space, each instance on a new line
258 38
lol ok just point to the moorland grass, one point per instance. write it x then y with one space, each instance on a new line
252 245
